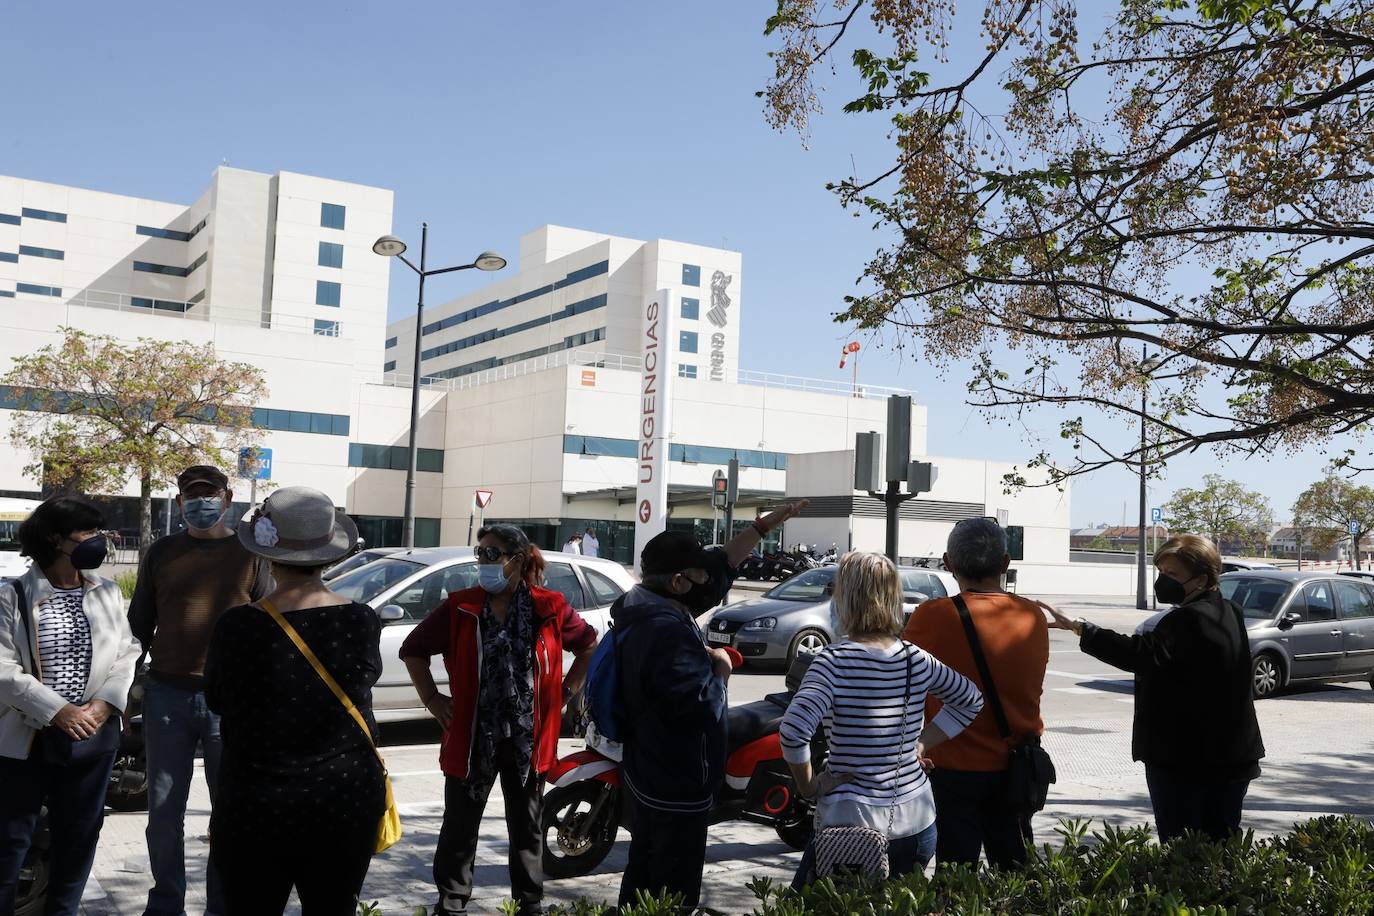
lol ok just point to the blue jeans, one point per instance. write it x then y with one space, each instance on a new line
175 721
904 855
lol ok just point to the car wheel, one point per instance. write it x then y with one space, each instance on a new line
809 641
1266 675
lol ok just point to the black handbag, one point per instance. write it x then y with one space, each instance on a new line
52 744
1030 772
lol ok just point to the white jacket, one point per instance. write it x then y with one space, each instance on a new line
26 705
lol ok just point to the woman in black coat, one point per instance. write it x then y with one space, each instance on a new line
1195 727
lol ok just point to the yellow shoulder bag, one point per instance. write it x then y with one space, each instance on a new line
389 830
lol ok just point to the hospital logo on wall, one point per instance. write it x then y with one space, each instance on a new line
720 303
646 511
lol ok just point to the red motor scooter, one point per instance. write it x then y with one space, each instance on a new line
584 806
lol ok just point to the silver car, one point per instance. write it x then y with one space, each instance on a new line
1303 626
794 617
403 587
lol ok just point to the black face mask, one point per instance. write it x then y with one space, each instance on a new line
90 553
700 598
1169 590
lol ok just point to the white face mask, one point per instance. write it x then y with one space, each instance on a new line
492 577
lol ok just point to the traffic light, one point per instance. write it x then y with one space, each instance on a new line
720 491
1016 542
732 482
868 456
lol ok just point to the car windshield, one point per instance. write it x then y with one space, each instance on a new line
362 585
1258 598
807 586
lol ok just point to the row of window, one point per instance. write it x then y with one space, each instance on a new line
692 454
160 305
32 213
36 290
148 267
577 276
175 235
576 340
394 457
35 252
296 421
568 311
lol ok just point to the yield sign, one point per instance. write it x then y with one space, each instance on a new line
483 498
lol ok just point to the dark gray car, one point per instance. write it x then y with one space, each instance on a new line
794 617
1303 626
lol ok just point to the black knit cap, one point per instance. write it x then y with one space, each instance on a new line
671 552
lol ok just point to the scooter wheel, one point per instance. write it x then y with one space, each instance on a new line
577 833
796 835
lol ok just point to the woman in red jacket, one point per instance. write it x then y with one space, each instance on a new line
503 645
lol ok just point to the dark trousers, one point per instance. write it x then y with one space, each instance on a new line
972 818
1183 803
75 796
457 849
667 853
326 869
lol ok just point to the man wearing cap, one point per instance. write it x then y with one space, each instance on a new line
673 705
185 582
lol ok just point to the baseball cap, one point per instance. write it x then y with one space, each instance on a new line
202 473
670 552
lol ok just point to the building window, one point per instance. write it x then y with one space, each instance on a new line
9 219
161 305
173 234
332 216
691 308
31 213
687 341
568 311
576 276
389 366
35 252
696 454
327 292
197 263
394 457
300 421
196 298
390 342
9 256
148 268
36 290
691 275
326 328
6 294
331 255
686 371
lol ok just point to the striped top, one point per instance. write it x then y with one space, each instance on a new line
854 691
64 644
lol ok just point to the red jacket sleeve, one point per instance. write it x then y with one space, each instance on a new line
431 636
577 633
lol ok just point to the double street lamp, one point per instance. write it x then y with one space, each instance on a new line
392 247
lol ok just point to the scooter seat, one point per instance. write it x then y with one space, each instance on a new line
751 722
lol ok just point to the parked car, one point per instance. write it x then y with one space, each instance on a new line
357 560
1359 574
405 586
1231 564
794 617
1303 626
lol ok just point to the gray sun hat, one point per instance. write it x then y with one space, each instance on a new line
298 526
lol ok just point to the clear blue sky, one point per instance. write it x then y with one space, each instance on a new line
488 120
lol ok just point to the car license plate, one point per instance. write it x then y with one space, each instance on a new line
718 637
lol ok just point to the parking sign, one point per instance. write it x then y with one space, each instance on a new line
1156 515
1354 527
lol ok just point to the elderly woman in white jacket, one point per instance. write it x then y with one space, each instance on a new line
67 659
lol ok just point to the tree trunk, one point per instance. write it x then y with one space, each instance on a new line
145 515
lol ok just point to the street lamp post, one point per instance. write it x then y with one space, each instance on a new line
1140 600
392 247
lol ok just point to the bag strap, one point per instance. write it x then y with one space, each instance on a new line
901 739
325 676
984 672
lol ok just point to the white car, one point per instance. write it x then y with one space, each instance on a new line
404 587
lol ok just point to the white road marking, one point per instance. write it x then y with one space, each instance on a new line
1077 690
414 774
1089 675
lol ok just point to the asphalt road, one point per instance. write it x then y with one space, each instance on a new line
1320 760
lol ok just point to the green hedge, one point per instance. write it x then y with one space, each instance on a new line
1324 867
126 582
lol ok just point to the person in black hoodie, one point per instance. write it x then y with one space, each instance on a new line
673 705
1195 727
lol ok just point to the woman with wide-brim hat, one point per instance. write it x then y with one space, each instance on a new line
301 788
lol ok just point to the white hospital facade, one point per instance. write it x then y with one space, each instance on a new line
532 382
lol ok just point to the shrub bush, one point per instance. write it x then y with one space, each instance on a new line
1324 867
126 582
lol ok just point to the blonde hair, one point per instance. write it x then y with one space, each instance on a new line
1195 552
868 595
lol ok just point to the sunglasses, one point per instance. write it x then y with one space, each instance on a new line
491 554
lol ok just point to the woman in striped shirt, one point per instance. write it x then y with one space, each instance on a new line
855 690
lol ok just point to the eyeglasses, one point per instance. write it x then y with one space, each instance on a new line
490 554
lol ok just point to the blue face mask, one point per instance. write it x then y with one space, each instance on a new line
203 513
492 577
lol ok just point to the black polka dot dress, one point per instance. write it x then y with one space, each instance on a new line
296 767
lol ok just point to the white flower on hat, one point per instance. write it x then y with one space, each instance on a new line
264 532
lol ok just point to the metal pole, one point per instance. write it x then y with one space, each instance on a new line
1140 601
408 522
894 501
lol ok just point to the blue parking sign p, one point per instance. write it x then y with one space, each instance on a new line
1156 514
